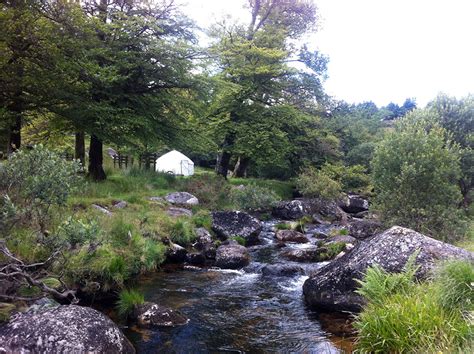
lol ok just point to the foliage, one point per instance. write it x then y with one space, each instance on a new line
455 281
283 226
378 284
212 191
415 172
78 232
318 183
128 300
37 180
253 197
331 250
240 240
182 232
405 316
202 219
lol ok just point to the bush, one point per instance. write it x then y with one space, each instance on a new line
254 197
128 300
78 232
211 190
318 183
415 173
38 179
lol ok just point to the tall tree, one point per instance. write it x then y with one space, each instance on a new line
253 60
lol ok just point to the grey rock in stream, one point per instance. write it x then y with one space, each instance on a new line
362 229
291 236
231 255
332 287
282 270
228 224
63 329
316 208
150 314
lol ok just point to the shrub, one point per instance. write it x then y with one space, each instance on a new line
332 250
211 190
78 232
38 179
120 231
415 173
128 300
318 183
254 197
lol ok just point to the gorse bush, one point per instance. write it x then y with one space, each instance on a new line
318 183
405 316
128 300
415 174
253 197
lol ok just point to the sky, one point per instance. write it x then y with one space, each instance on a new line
382 50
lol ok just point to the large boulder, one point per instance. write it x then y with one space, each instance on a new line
309 255
152 315
64 329
316 208
228 224
362 229
291 236
332 287
176 212
182 198
231 255
354 203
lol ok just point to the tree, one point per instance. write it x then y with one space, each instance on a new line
256 79
457 117
415 170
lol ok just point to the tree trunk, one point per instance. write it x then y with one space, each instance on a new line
96 169
80 148
241 166
222 166
14 141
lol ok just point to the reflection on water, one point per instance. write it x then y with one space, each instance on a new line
233 311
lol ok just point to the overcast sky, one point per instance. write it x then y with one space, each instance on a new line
383 50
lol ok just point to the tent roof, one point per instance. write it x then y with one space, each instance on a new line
174 155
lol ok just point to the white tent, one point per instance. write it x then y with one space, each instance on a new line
176 163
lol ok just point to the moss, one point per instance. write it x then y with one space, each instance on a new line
240 240
6 311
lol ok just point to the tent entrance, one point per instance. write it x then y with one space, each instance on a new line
187 168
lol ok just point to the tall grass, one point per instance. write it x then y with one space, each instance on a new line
405 316
128 300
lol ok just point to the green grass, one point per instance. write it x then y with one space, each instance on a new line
404 316
240 240
127 301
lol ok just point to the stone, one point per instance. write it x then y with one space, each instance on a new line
175 253
231 255
227 224
195 258
63 329
182 198
120 204
204 243
341 238
320 210
152 315
282 270
176 212
305 255
362 229
291 236
354 203
102 209
332 286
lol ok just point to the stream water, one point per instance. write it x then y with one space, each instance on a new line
236 311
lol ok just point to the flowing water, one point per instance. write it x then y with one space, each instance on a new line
236 311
